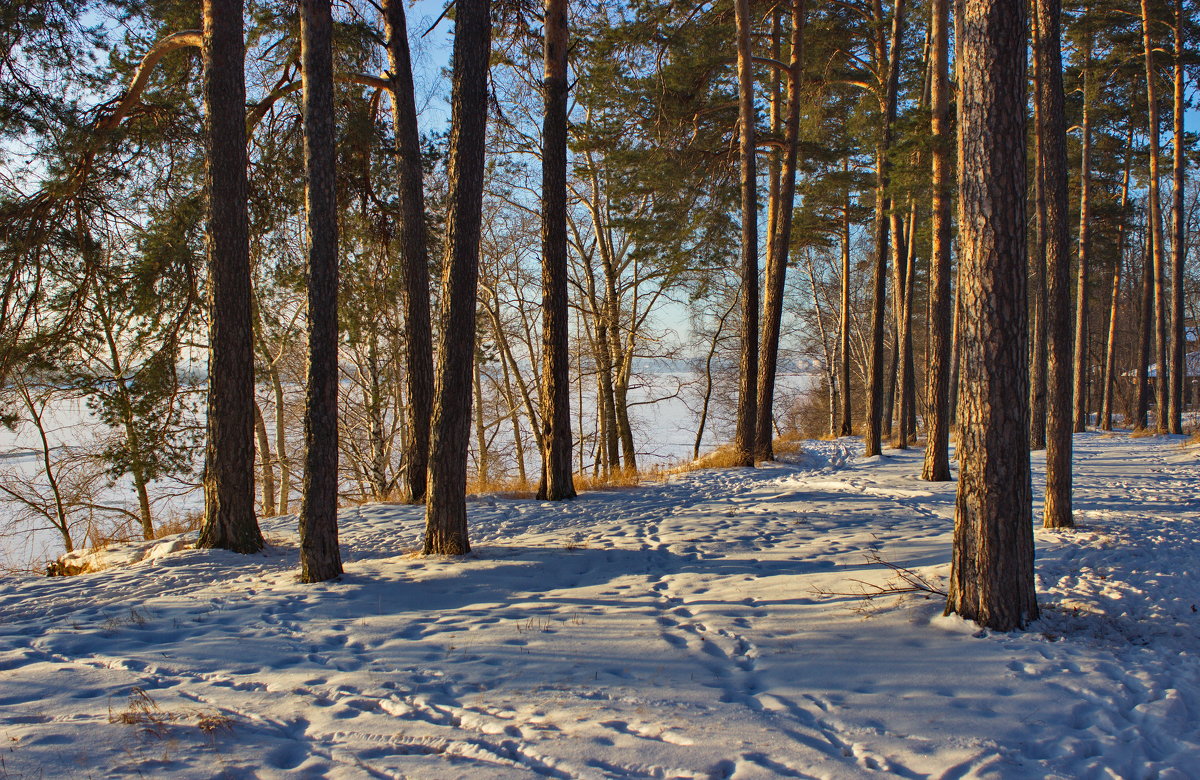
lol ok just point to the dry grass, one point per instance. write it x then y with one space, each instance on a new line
791 443
1141 433
180 524
511 487
723 457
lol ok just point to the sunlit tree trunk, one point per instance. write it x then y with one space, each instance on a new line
747 411
557 481
320 558
1080 361
1178 369
991 579
446 504
229 520
1162 378
414 254
937 378
1053 132
780 242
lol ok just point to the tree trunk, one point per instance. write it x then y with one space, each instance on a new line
1053 131
890 75
557 482
1080 369
847 428
320 558
747 412
414 251
941 304
900 311
281 453
446 505
1037 269
991 580
264 459
1162 376
1178 371
483 459
1147 331
780 242
229 520
1110 350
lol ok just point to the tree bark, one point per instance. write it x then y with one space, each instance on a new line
320 558
846 428
936 467
1178 369
264 458
1053 131
1037 268
889 73
1080 361
1146 332
446 505
991 580
557 483
1110 350
780 242
414 253
1162 376
229 520
747 412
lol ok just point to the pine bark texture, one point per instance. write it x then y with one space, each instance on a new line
1037 268
991 579
847 425
1178 238
446 503
747 412
414 254
1157 251
319 556
885 59
780 236
1080 360
557 483
229 520
1110 349
941 302
1053 132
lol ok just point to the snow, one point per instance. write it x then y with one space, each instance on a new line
690 629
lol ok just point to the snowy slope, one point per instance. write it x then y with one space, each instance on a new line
679 630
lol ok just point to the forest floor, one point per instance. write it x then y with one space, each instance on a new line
692 629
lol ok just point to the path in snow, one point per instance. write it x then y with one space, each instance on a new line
676 630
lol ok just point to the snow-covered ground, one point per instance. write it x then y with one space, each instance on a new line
688 629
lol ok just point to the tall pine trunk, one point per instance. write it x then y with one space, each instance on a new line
556 483
1053 132
319 556
1146 331
1108 378
991 579
1178 370
414 255
780 241
886 55
1080 361
747 412
446 502
937 377
846 428
1162 375
229 520
1037 268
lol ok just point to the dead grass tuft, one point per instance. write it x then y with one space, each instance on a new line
180 524
791 443
723 457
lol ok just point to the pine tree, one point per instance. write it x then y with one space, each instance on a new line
991 579
229 519
446 502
